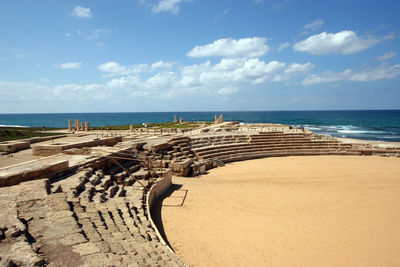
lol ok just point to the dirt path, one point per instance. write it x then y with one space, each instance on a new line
294 211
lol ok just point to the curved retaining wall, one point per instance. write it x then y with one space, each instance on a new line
158 189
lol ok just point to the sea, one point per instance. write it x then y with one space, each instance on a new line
380 125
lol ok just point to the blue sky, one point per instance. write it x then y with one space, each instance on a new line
198 55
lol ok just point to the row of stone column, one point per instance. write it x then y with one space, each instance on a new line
78 126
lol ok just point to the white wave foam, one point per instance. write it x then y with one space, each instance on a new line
360 132
19 126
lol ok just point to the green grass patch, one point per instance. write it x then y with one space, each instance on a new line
162 125
16 133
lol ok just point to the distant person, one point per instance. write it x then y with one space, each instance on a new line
44 128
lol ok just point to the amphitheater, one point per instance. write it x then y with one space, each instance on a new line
85 199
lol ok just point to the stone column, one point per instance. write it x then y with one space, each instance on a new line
180 120
131 128
87 126
82 126
77 125
69 125
175 120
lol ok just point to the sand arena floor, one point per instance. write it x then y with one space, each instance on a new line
293 211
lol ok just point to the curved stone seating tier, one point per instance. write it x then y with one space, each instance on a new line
216 151
271 151
257 155
210 149
228 148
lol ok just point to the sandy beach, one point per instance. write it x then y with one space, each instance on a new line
292 211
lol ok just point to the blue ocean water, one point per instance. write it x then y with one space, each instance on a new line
362 124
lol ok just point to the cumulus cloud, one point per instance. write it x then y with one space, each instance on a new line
245 47
159 80
386 56
71 65
228 76
297 68
344 42
82 12
365 75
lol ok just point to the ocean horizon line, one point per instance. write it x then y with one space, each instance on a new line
236 111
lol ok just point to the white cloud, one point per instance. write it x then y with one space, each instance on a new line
315 25
158 80
283 46
20 56
68 34
246 47
162 64
228 72
157 6
115 69
297 68
82 12
240 69
365 75
386 56
71 65
344 42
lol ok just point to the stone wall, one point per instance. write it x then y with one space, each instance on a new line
157 190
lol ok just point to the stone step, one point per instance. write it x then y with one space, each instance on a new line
214 149
264 150
247 156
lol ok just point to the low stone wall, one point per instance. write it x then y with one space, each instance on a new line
45 138
14 146
17 145
158 189
53 149
20 173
